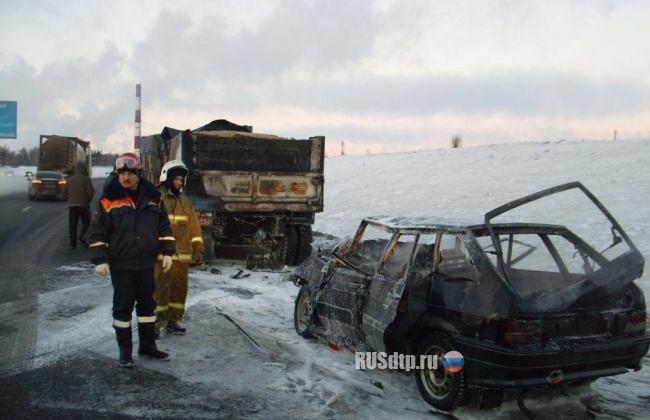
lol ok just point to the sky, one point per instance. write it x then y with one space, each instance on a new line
379 76
298 378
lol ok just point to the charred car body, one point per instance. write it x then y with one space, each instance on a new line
526 304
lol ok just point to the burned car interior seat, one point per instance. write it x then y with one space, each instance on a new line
424 258
457 264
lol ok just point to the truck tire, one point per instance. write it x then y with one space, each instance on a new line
209 254
304 243
290 244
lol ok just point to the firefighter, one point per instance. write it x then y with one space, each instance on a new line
171 287
130 231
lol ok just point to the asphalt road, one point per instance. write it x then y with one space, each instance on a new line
33 243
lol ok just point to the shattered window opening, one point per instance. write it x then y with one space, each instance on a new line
539 263
585 220
575 259
455 259
371 244
424 254
399 257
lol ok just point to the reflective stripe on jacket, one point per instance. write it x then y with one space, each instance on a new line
130 235
184 223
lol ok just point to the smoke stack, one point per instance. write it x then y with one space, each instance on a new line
138 97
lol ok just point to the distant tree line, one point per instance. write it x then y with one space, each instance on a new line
25 157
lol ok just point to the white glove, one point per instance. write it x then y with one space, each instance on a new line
102 269
166 263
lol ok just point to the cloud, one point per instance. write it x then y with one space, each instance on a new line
74 98
376 74
176 58
517 94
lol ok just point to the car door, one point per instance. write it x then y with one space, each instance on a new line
386 289
340 305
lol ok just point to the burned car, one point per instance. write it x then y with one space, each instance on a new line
527 304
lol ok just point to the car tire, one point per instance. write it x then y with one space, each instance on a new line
303 313
443 390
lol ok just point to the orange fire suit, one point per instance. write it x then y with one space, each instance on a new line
171 287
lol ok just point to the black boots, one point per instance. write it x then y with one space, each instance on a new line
174 328
147 333
125 343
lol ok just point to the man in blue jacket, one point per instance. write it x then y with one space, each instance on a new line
130 231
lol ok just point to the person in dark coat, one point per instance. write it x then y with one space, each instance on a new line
129 233
80 191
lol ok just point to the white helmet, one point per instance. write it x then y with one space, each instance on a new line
173 164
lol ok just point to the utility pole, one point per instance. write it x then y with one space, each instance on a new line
138 122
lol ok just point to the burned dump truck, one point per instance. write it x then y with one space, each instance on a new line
256 195
519 301
61 154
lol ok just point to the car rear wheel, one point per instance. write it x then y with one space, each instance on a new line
442 389
303 312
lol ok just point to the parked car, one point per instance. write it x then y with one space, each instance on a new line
6 173
29 175
48 184
525 303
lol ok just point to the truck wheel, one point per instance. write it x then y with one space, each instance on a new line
290 244
303 312
442 389
208 243
304 243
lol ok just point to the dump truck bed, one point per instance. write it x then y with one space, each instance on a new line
250 172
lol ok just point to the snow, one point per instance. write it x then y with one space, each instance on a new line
16 183
451 183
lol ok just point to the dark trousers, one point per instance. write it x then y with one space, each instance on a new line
74 214
133 288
